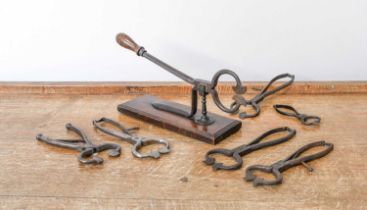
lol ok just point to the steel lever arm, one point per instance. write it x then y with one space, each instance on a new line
200 87
125 41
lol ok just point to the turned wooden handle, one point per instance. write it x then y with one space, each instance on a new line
125 41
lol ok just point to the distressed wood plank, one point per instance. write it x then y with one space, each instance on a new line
172 88
34 175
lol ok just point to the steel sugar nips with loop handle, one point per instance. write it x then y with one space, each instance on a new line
293 160
242 150
126 134
88 150
288 110
254 103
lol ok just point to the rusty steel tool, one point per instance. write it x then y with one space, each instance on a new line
126 134
294 159
201 87
88 150
204 87
265 92
245 149
292 112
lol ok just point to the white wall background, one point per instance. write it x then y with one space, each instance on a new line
74 40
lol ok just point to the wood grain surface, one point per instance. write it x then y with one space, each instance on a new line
141 108
168 88
34 175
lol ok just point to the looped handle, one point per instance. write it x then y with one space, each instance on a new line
88 156
239 89
293 112
152 154
305 119
257 144
88 153
254 102
226 152
258 181
295 158
240 100
265 92
310 119
255 107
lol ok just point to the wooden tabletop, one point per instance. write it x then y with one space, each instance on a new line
34 175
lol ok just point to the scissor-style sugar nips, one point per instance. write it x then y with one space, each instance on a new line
126 134
88 150
293 160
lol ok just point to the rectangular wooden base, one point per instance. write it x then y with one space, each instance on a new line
141 108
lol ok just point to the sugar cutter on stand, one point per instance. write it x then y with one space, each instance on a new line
186 120
205 126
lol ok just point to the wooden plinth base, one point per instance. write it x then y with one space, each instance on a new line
141 108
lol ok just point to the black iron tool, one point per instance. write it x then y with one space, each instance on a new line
290 111
88 150
204 87
265 92
127 134
205 126
245 149
200 87
293 160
